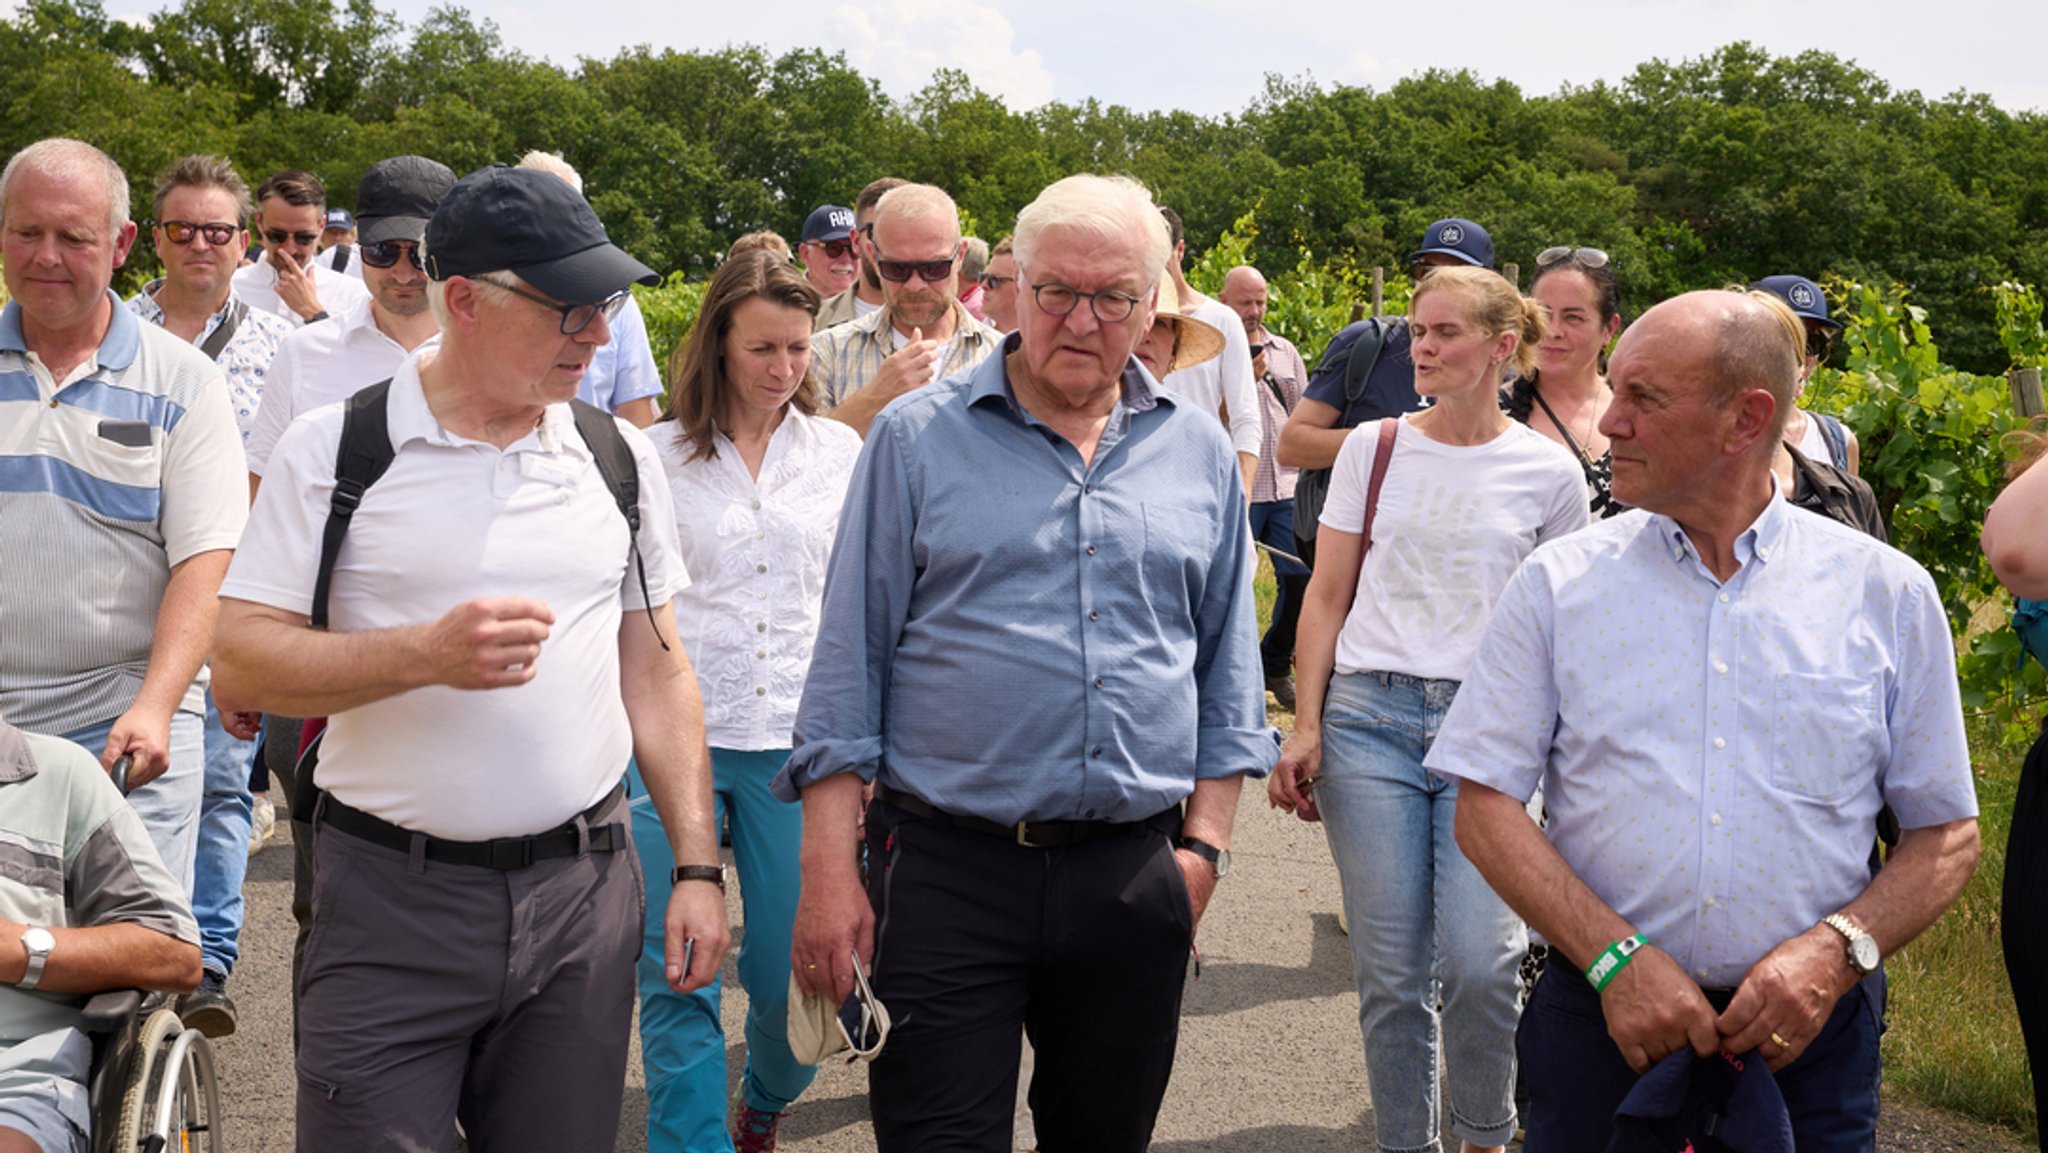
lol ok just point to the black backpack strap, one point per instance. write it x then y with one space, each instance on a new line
1365 356
364 454
217 340
1835 437
341 255
600 432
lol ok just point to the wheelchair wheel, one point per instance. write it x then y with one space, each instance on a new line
173 1096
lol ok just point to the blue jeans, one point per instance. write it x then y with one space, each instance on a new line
223 858
1273 526
168 805
1424 924
682 1041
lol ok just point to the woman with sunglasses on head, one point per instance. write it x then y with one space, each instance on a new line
758 476
1565 395
1385 637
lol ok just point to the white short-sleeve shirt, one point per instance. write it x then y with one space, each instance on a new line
455 519
319 365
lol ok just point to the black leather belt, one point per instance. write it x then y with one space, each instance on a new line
1030 834
504 853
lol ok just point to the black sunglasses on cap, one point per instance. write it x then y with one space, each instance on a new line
1584 257
385 253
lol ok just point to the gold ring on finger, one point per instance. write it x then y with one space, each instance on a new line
1780 1042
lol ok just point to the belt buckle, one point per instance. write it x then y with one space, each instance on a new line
509 853
1024 836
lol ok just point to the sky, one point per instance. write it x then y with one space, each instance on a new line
1212 56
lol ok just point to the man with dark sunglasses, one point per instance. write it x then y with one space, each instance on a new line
366 341
826 250
865 294
291 212
921 333
201 209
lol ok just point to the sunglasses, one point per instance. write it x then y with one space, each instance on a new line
991 280
182 232
863 1020
1584 257
900 271
278 237
385 253
1819 342
575 317
833 249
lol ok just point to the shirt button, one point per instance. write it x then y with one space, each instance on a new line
1090 814
760 536
1720 742
1764 553
1094 615
760 626
757 504
561 498
760 654
1098 682
1091 550
759 691
1721 667
1087 488
1724 598
1714 819
1096 751
760 568
1702 973
1710 902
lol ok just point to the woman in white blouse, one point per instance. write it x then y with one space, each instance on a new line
758 477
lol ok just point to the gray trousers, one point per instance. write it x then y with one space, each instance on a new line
432 993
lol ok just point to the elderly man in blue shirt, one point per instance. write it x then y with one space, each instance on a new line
1039 644
1716 692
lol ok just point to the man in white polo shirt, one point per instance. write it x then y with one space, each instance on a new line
499 645
291 211
365 342
120 495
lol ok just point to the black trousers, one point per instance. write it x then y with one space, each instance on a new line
1084 948
2023 917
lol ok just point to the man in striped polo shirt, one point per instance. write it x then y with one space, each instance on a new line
121 495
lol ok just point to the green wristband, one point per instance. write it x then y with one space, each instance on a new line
1612 961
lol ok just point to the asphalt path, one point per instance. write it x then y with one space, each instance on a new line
1269 1055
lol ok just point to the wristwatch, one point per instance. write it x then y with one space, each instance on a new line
38 941
712 873
1863 955
1219 859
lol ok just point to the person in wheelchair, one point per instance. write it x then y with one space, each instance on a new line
86 905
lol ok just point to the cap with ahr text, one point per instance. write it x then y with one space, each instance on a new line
828 222
532 224
339 218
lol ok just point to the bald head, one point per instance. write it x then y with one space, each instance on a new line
1244 290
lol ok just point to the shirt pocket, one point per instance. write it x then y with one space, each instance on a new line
1178 543
1826 735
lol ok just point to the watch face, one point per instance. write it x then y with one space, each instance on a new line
1222 863
38 939
1864 954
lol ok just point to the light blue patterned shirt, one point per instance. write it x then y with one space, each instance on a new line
1713 756
622 369
1011 634
248 353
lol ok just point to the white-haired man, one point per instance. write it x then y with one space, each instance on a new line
120 495
1052 531
922 332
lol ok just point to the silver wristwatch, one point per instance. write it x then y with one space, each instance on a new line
1863 956
38 941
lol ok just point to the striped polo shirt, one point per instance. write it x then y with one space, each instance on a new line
108 479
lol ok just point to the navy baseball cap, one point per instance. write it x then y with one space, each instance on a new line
1803 295
1460 238
339 218
397 197
828 222
530 223
1705 1105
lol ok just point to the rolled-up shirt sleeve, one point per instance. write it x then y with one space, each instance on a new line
867 601
1231 736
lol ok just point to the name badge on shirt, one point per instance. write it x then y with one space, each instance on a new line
550 467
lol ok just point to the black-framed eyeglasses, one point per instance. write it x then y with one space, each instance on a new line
991 280
900 271
385 253
1109 305
1584 257
1819 342
575 317
278 237
182 232
833 249
867 230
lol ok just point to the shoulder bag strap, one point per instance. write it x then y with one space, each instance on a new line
1381 457
217 340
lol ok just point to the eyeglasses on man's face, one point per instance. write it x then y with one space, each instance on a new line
278 238
1109 305
182 231
385 253
833 249
575 317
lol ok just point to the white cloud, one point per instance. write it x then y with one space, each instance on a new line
902 42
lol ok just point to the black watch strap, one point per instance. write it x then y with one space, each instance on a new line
712 873
317 317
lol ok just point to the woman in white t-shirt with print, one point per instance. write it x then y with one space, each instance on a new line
1467 494
759 477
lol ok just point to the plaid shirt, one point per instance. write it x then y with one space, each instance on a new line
846 356
1285 371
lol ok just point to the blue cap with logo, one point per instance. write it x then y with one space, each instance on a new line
1803 295
1702 1104
1460 238
828 222
339 218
